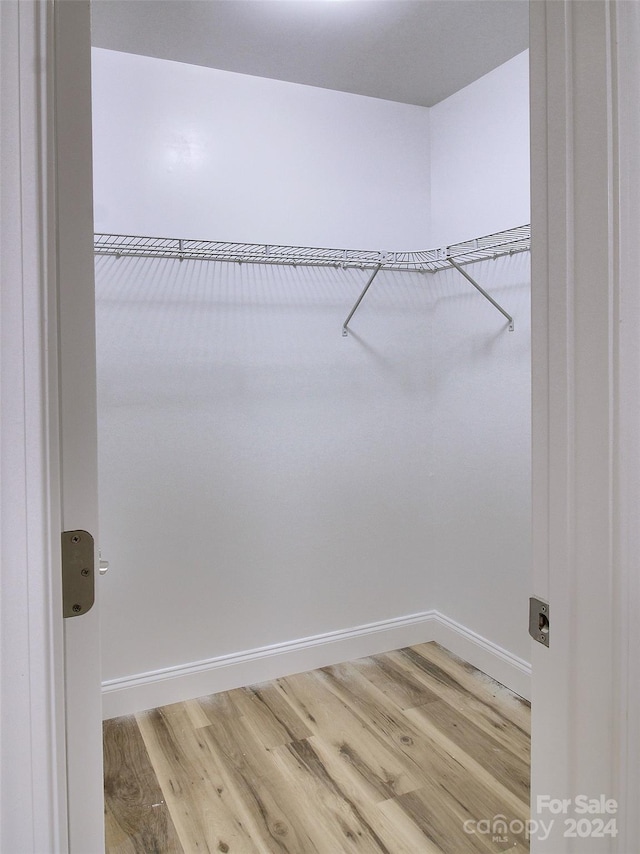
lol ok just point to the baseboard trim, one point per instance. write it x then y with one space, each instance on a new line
499 663
174 684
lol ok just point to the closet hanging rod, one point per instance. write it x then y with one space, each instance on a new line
431 260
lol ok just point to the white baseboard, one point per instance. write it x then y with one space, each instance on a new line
487 656
174 684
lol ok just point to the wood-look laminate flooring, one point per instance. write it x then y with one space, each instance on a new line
393 753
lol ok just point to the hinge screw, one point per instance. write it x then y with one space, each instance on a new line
75 539
542 637
77 608
84 572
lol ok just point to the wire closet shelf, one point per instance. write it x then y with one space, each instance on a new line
430 260
455 256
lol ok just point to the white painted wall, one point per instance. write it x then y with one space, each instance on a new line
262 478
265 479
482 433
480 480
186 151
480 156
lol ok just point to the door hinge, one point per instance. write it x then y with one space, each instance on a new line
539 620
78 573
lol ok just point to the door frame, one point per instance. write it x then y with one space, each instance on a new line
33 780
572 392
51 790
585 167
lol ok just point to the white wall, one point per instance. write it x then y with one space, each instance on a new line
480 156
480 478
262 478
186 151
482 412
265 479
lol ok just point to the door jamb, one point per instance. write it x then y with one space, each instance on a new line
33 785
586 387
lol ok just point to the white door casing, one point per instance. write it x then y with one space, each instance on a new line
50 715
78 410
585 398
33 796
626 605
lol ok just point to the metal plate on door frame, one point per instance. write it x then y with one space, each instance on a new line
539 620
78 573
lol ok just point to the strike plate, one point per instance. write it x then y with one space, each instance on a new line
78 573
539 620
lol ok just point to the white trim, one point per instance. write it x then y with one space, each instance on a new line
196 679
586 382
33 800
499 663
78 409
627 418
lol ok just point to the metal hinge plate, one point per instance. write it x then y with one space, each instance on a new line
539 620
78 573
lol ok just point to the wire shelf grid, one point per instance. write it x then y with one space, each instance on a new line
492 246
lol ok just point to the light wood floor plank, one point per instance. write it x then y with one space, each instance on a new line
387 755
271 780
445 769
302 807
511 770
136 816
269 715
268 811
194 786
196 714
488 716
464 676
395 829
496 797
446 828
349 734
333 818
268 801
397 682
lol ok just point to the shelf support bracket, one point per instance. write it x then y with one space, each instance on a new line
345 325
482 291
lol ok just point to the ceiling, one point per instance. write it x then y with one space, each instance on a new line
412 51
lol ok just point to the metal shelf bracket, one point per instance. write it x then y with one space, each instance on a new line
483 292
345 325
